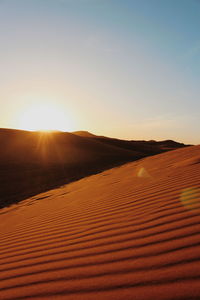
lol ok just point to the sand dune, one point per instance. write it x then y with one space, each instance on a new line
34 162
131 232
144 147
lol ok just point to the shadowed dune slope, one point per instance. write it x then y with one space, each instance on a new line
32 162
131 232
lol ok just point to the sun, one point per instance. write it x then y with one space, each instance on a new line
45 117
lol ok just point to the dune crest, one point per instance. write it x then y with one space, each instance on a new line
114 235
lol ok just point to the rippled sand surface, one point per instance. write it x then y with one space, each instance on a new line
131 232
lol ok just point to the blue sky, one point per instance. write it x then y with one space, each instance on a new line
129 69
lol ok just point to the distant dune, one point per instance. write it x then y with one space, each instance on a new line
84 133
131 232
33 162
145 147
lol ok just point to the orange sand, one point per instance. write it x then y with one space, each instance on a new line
132 232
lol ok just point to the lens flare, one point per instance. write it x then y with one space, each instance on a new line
143 173
190 198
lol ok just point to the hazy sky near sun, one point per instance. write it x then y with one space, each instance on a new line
123 68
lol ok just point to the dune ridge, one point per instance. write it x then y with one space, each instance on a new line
131 232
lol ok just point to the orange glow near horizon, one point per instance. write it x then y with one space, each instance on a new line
46 117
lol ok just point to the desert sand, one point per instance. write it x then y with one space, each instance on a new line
131 232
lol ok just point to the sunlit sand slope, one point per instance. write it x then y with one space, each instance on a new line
132 232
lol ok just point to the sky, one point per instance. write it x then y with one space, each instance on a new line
121 68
